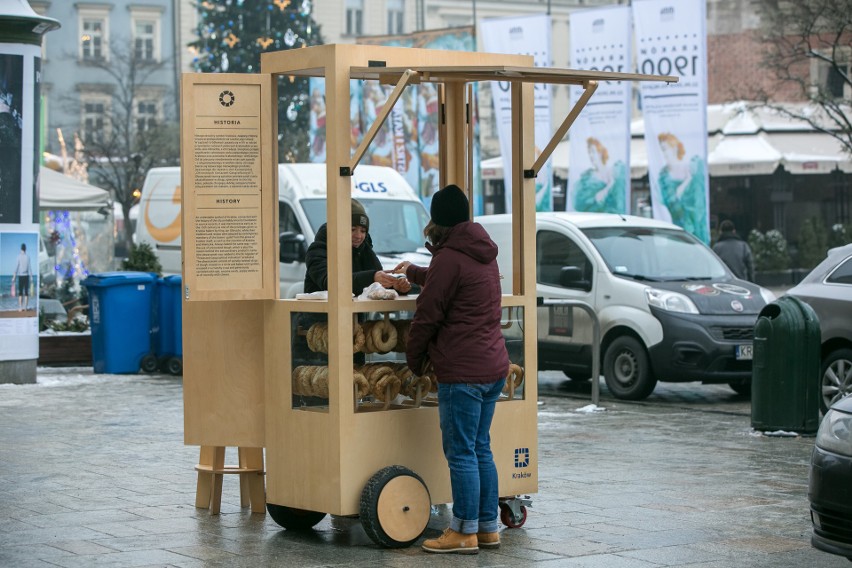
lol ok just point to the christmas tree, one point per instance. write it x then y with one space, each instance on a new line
231 36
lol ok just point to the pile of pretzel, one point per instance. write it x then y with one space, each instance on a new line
383 381
381 336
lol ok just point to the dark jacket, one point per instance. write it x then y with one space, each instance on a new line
736 253
457 322
365 264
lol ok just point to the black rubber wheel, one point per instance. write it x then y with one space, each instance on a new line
836 381
294 519
149 363
510 520
174 365
627 370
395 507
742 386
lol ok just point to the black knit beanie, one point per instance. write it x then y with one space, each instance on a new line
450 207
359 215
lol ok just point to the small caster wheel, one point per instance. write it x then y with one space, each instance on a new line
174 365
511 519
395 507
149 363
294 519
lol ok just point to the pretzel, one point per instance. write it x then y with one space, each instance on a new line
317 337
385 379
358 338
362 385
514 375
367 328
383 335
319 382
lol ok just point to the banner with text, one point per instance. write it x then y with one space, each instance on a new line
671 39
599 151
526 35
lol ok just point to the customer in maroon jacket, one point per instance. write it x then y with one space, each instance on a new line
457 328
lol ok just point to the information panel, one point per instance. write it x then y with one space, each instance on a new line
229 195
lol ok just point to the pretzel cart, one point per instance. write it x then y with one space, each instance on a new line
321 384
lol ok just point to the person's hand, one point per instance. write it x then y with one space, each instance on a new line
402 285
384 279
402 267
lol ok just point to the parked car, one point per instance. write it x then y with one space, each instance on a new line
830 481
669 308
828 290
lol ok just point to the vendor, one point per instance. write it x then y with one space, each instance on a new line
366 267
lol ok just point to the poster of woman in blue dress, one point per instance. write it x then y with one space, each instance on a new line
682 187
601 188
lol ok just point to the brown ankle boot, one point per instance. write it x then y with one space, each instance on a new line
452 541
488 539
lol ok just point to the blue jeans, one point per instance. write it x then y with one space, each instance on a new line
466 411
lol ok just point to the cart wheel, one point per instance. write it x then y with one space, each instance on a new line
149 363
510 519
174 365
294 519
395 507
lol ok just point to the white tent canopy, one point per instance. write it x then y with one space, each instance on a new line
742 140
62 193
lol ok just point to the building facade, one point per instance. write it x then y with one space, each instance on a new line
82 58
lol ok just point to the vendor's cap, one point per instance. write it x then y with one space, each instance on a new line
450 207
359 215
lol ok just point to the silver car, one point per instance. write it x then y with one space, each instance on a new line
828 290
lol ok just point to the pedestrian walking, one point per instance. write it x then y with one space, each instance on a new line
456 330
734 251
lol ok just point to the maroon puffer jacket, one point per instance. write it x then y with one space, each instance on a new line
457 322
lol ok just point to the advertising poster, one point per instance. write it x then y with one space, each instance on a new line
599 150
11 135
671 39
18 293
526 35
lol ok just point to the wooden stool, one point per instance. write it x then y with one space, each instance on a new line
211 468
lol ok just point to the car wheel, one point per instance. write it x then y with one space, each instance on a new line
627 370
836 377
742 386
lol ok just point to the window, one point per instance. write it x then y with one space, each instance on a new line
396 15
842 274
93 119
354 17
555 251
146 32
146 115
93 22
287 221
832 78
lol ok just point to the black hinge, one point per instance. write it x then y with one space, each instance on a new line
374 63
345 171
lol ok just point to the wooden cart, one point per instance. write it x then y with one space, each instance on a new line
245 383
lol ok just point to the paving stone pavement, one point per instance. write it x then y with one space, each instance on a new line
93 472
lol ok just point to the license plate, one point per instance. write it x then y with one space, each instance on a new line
745 352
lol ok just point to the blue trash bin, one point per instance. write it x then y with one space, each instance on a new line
170 321
121 319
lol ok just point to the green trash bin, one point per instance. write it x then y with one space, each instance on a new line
786 368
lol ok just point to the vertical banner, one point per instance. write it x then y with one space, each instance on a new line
671 39
527 35
599 151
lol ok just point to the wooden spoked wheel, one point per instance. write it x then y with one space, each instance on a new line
395 507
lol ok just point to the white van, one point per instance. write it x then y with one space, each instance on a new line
669 308
397 217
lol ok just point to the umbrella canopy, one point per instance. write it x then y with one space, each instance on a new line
60 192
